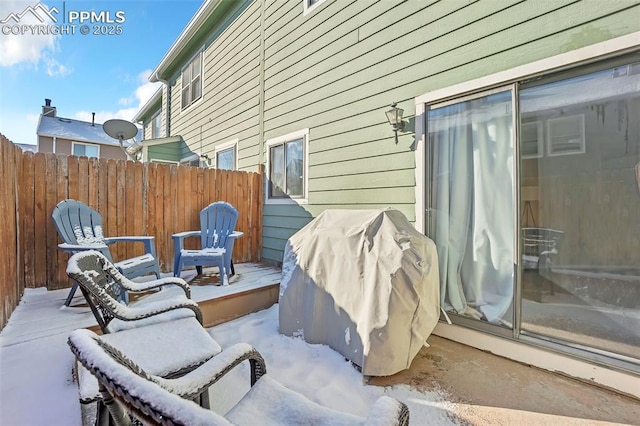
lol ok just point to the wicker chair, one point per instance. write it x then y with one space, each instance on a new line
102 285
162 333
134 396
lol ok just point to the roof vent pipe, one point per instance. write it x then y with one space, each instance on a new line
93 118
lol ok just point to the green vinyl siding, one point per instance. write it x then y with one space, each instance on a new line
337 70
165 152
229 108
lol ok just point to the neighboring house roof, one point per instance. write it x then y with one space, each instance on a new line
28 147
153 105
75 130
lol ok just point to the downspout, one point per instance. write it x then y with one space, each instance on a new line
54 144
261 146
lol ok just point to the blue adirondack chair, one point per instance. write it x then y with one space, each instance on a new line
80 228
217 235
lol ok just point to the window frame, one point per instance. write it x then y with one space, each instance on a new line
156 116
309 8
199 55
576 61
232 144
74 144
283 140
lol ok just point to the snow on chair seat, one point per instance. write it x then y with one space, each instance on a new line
133 394
165 349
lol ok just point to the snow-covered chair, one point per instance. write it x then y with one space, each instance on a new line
162 331
131 394
217 234
80 228
102 285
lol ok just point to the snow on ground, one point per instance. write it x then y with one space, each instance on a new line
36 385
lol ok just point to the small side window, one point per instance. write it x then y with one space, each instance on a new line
287 167
225 155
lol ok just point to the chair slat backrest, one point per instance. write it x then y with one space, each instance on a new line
77 223
217 221
98 280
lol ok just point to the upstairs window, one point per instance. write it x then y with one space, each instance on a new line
192 81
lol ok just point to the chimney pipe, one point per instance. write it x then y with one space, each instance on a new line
47 102
93 118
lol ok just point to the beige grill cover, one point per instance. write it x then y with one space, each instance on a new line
364 282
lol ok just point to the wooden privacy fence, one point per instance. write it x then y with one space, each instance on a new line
11 278
133 199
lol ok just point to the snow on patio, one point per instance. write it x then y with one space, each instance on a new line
37 387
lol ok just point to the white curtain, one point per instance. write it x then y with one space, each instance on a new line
473 207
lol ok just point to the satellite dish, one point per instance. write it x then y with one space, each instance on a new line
121 130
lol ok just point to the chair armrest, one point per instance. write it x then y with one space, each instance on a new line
128 238
133 286
149 242
73 248
186 234
388 411
199 380
135 313
236 234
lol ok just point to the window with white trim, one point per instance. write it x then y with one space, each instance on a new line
310 5
192 81
85 149
226 155
287 165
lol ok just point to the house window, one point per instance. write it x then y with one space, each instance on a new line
156 123
287 165
574 228
86 150
192 81
310 5
226 157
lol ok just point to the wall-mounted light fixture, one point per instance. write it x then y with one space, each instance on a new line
394 115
